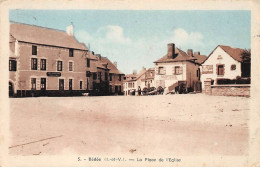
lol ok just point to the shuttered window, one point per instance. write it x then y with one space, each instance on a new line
178 70
12 65
161 70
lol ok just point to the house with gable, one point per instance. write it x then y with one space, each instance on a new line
224 62
178 69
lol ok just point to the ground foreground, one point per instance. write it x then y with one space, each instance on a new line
175 124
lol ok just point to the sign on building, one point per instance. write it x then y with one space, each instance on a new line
207 69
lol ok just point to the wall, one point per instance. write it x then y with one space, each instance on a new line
52 55
227 90
191 73
169 78
115 82
227 60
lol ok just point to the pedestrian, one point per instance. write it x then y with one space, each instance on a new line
139 91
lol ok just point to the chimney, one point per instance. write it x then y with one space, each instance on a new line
115 64
134 72
69 30
190 52
197 53
171 50
98 56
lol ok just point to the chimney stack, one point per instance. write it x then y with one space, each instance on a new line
171 50
99 56
190 52
197 53
134 72
115 64
70 30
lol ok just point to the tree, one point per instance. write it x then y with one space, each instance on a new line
246 56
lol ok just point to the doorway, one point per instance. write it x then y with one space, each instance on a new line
43 86
11 89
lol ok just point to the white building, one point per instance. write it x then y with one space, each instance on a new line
178 67
223 62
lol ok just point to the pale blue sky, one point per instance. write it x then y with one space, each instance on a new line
138 38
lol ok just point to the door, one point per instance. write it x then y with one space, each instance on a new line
61 84
43 86
70 84
11 89
116 89
220 70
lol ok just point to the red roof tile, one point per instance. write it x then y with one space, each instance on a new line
235 53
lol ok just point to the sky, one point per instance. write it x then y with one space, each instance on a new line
137 38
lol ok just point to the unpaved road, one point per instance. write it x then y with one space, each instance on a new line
175 124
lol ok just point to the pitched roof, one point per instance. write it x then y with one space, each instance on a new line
110 66
42 35
200 58
181 56
235 53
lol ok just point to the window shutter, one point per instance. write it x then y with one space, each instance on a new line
14 63
173 70
164 70
181 70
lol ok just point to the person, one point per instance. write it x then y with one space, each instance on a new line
139 91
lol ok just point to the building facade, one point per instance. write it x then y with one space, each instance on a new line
134 83
223 62
45 61
178 69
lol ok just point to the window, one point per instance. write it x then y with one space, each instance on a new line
100 76
94 76
106 76
59 65
70 66
178 70
34 50
43 64
161 71
71 52
119 78
33 83
110 77
151 74
80 84
233 67
88 62
34 63
220 70
61 84
12 65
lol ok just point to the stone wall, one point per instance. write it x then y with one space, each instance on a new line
227 90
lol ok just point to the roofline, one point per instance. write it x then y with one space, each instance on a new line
14 22
214 50
173 61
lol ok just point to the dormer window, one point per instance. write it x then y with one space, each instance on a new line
34 50
71 52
